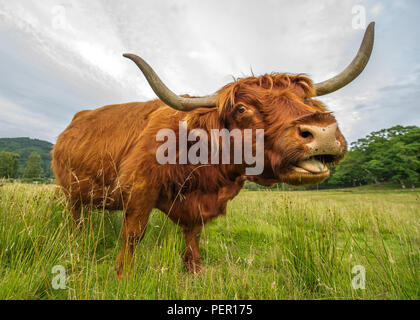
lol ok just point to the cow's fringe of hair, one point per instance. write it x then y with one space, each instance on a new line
250 88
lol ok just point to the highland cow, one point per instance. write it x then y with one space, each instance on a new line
106 157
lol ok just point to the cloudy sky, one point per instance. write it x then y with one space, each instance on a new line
60 57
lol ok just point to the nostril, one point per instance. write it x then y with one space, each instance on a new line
306 134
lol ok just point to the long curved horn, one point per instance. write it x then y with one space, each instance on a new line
353 69
166 95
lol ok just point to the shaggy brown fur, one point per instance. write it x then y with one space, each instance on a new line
107 157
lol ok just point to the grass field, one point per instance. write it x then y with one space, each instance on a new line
271 245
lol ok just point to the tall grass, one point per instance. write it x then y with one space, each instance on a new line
271 245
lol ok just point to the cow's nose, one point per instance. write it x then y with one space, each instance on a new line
322 140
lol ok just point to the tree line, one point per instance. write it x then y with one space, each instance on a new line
389 155
22 148
9 164
386 156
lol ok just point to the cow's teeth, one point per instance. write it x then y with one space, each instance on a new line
298 169
311 165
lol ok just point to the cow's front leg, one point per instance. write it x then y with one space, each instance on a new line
192 259
76 215
136 216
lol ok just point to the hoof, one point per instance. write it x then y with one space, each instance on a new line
194 268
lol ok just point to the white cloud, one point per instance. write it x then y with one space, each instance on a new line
15 117
377 9
195 46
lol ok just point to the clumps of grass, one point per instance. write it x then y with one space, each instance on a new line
271 245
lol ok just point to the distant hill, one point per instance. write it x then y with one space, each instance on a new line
24 147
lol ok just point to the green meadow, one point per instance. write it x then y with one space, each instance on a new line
270 245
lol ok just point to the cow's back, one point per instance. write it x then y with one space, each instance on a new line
88 154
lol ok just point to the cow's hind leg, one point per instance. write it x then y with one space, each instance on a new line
136 216
192 258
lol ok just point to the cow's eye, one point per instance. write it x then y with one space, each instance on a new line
241 109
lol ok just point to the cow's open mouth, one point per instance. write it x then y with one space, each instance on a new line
309 171
314 165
